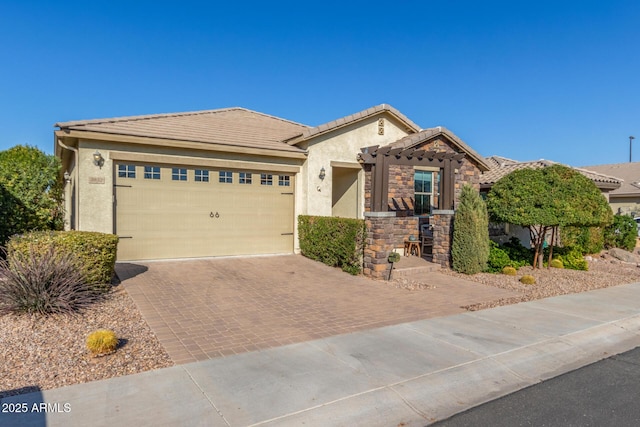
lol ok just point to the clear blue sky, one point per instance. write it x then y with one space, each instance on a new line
523 79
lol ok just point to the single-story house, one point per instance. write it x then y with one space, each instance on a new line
232 181
626 198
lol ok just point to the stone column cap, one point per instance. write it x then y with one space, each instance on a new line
443 212
379 214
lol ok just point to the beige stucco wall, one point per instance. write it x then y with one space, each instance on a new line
341 145
626 205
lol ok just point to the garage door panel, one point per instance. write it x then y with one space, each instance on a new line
166 219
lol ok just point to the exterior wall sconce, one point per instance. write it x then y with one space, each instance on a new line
322 173
98 160
67 177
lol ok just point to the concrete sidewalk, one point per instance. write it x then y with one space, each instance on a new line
410 374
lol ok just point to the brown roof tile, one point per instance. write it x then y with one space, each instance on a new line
503 166
227 126
628 172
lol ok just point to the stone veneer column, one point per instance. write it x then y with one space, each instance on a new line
380 242
442 221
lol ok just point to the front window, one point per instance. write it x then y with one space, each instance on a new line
202 175
152 172
284 180
126 171
245 177
225 177
423 187
266 179
178 174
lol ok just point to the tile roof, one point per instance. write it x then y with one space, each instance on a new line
228 126
426 134
503 166
352 118
629 172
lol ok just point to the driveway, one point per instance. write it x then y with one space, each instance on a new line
202 309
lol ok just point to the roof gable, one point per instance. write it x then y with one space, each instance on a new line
228 126
427 134
353 118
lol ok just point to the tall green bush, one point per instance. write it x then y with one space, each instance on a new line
337 242
622 233
588 240
470 246
96 252
30 192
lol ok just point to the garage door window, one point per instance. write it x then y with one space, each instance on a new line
266 179
284 180
245 178
202 175
126 171
226 177
152 172
178 174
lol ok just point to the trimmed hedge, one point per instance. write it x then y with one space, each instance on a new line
96 252
622 233
337 242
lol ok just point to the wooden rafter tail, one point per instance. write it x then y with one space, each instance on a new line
366 158
369 150
459 157
382 151
396 152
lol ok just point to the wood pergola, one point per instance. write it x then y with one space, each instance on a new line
380 158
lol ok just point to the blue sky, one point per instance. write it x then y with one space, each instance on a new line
527 80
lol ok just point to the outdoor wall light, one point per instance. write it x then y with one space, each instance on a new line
322 173
67 177
98 160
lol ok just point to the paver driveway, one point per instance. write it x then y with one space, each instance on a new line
201 309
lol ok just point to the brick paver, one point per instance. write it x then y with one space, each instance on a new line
200 309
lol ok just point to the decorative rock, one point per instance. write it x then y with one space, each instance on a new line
623 255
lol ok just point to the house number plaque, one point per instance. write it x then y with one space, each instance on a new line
214 215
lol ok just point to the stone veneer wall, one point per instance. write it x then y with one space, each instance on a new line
442 222
379 243
401 197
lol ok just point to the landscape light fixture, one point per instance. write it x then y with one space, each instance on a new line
98 160
631 138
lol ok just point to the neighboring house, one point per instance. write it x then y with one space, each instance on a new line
626 199
502 166
233 181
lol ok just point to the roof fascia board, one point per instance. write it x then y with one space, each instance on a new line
98 136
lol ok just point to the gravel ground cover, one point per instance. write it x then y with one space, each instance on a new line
603 271
40 353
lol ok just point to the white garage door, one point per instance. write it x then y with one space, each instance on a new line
177 212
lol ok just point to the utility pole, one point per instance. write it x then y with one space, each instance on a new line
631 138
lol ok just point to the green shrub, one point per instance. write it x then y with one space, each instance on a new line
509 271
43 282
470 245
337 242
102 341
518 254
622 233
498 258
96 252
589 240
571 258
528 280
557 263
